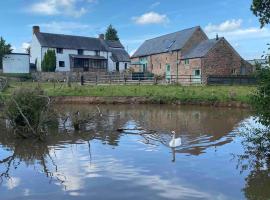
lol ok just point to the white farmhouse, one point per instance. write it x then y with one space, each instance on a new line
77 53
16 63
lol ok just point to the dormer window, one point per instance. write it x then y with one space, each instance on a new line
59 50
80 51
186 61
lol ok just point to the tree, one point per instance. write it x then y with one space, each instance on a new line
4 49
111 34
49 61
28 50
261 8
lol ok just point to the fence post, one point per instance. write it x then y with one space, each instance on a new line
125 79
82 80
96 79
190 79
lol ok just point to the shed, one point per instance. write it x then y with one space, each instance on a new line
16 63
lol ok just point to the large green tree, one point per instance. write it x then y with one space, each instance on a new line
111 34
49 61
261 8
4 49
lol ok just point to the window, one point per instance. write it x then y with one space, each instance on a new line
80 51
97 53
234 71
59 50
125 66
61 64
197 72
186 61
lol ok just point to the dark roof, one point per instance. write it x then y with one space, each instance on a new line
165 43
70 42
201 49
89 57
120 55
114 44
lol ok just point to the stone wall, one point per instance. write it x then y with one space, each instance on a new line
62 76
223 60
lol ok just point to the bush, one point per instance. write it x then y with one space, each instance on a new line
261 99
49 61
27 111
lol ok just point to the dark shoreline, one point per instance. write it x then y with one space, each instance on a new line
142 100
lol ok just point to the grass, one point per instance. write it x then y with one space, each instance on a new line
161 93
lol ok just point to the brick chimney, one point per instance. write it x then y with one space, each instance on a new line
36 29
217 37
101 36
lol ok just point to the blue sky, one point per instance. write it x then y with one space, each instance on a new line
135 20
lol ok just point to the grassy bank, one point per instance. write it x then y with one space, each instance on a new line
156 92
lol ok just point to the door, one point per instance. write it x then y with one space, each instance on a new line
197 78
168 72
117 66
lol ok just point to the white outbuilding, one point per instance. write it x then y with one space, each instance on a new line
16 63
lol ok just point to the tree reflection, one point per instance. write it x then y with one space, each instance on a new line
256 160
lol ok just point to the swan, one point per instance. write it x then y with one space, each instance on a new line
175 142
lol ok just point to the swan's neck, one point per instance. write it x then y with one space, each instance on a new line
173 137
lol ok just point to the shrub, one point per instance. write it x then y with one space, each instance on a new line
49 61
261 99
27 112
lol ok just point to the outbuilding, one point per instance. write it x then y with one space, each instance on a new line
18 63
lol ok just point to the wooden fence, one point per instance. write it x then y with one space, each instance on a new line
123 79
231 80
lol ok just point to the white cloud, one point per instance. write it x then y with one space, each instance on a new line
151 18
12 183
247 40
233 30
63 27
229 25
155 4
57 7
25 45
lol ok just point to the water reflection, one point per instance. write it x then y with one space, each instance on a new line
128 165
255 159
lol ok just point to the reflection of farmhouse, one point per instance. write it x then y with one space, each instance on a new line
77 53
189 52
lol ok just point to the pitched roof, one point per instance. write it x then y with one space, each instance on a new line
201 49
165 43
114 44
120 55
70 42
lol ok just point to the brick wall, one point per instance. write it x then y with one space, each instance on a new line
223 60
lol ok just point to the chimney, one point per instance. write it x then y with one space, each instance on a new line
217 38
101 36
36 29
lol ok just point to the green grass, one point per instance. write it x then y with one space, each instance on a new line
155 92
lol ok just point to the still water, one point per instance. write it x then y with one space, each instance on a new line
102 163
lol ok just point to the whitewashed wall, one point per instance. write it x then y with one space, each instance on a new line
65 57
16 63
35 53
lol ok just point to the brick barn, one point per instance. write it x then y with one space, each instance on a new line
189 53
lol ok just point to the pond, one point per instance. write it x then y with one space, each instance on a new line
103 163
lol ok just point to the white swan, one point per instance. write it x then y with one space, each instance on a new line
175 142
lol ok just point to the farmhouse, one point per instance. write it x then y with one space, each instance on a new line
77 53
189 53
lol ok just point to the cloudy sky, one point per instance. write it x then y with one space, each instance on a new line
135 21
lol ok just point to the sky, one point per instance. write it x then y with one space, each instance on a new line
135 20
